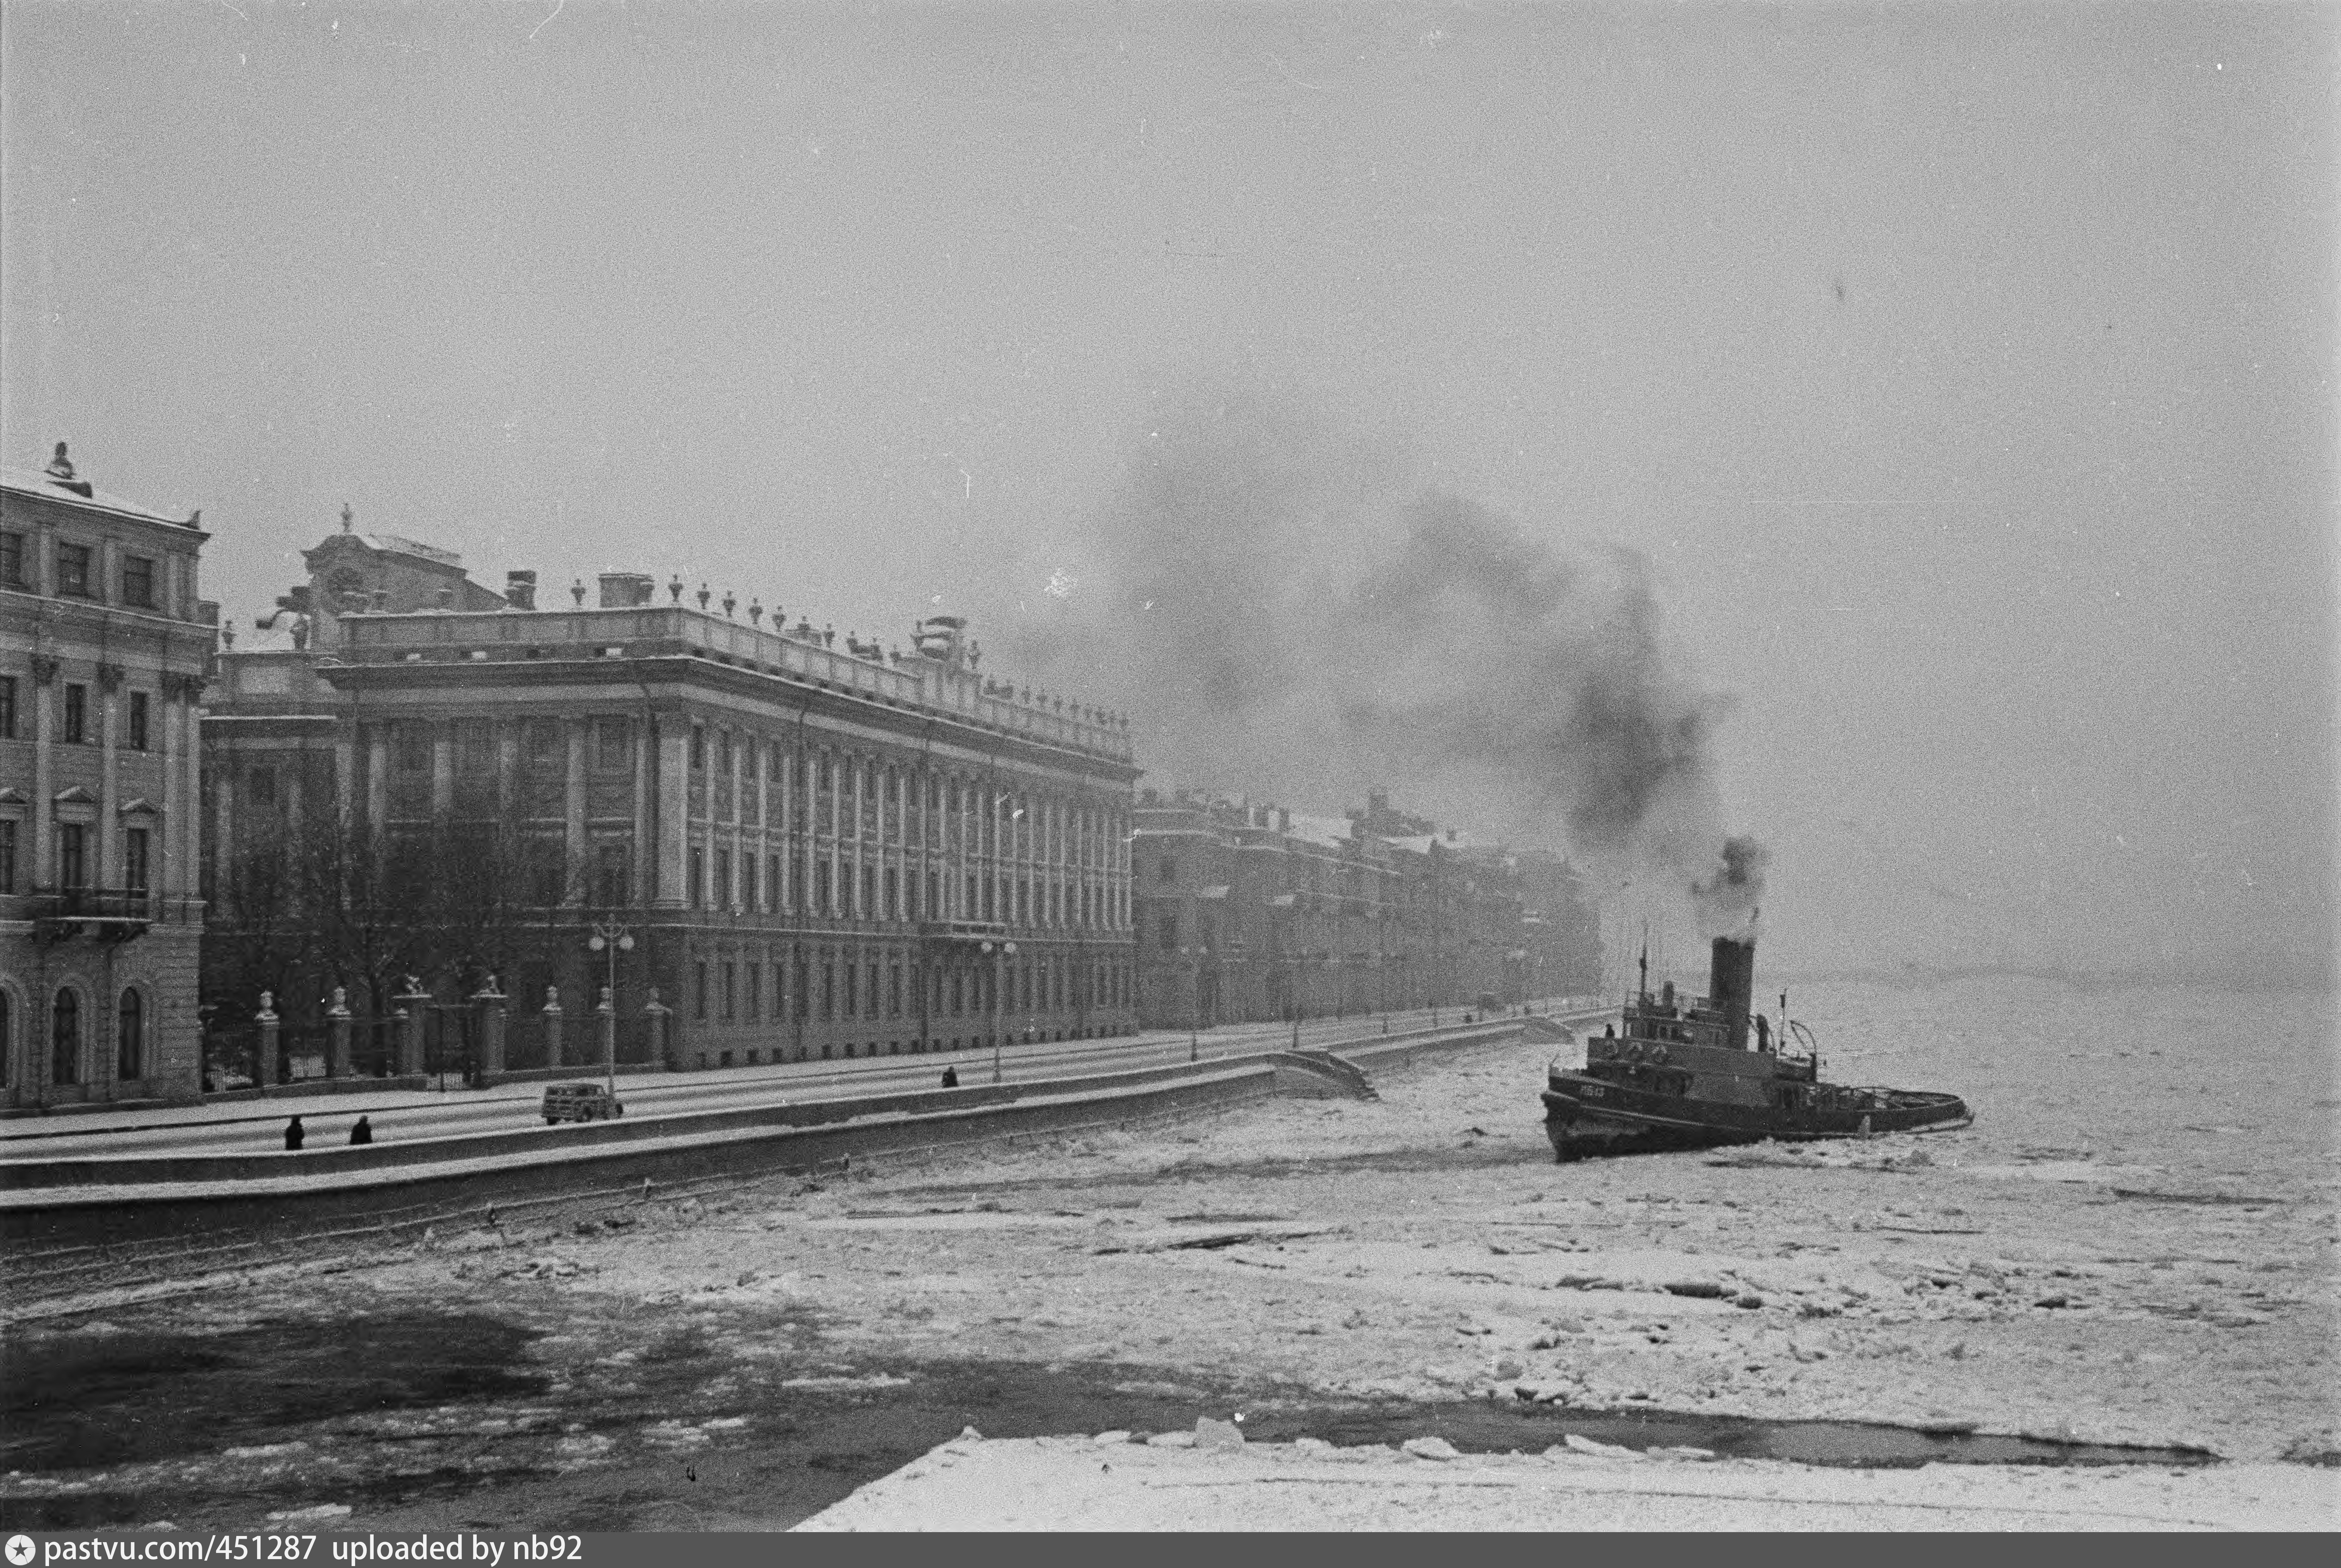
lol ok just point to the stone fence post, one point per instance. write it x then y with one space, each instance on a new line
552 1026
662 1032
264 1073
337 1035
409 1037
492 1028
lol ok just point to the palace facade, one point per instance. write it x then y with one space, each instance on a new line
815 851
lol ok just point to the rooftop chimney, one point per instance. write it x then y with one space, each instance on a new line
519 589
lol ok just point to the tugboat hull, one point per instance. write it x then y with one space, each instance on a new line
1588 1115
1679 1074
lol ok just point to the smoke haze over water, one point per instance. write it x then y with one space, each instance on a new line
1285 612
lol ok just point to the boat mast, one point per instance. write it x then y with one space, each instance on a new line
1645 992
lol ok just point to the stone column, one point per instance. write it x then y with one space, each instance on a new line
410 1033
337 1035
552 1026
265 1070
491 1003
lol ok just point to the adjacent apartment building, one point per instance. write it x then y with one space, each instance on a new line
1253 912
103 645
816 851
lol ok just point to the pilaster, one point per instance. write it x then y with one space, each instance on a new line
108 871
377 778
673 829
442 771
45 741
574 811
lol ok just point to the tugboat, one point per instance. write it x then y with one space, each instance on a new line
1676 1076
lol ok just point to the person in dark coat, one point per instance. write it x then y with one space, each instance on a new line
950 1077
293 1134
361 1131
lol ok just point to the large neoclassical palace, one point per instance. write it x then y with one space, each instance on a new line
818 850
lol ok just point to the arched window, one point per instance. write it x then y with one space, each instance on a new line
7 1041
129 1037
64 1036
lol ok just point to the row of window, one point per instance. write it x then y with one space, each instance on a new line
75 863
827 783
1285 880
75 728
65 1036
77 572
609 750
544 742
733 991
890 894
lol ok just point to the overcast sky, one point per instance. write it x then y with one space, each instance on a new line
1965 373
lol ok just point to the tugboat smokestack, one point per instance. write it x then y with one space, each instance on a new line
1731 986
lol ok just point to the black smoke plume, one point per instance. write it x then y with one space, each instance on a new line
1728 897
1284 612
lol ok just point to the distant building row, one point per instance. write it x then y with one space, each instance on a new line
1249 912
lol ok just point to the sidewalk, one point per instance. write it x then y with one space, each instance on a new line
20 1136
1065 1484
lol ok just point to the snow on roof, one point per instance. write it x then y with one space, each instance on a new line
33 481
398 544
274 637
1329 831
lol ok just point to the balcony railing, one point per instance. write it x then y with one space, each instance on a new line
92 904
964 930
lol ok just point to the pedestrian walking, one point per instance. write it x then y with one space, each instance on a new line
293 1134
361 1131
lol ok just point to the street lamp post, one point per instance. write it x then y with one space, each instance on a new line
1194 956
1000 953
612 939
